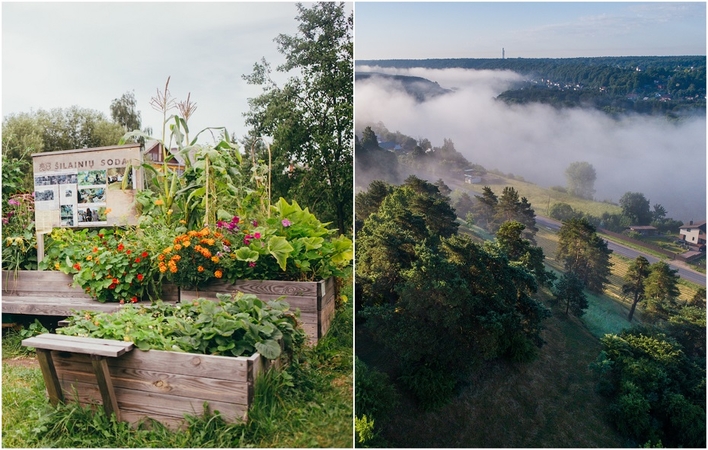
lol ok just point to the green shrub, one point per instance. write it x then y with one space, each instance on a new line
432 386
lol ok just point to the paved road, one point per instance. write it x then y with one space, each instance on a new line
683 271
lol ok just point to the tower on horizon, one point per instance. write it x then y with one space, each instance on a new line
502 52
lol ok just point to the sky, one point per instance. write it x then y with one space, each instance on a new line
419 30
57 55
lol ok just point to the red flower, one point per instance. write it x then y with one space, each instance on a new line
120 247
127 252
77 266
144 254
137 260
134 299
115 281
140 277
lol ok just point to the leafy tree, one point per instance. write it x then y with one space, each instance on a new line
661 289
369 201
636 207
519 250
310 117
581 178
584 253
463 205
659 212
485 209
634 282
698 299
124 112
58 129
492 211
657 391
369 139
569 291
562 212
443 188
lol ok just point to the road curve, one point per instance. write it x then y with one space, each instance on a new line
684 272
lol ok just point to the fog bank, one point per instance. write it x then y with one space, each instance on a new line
664 161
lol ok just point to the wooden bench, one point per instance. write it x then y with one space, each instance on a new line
97 349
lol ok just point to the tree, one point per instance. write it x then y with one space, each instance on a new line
581 178
519 250
443 188
124 112
569 291
636 207
310 117
661 289
58 129
369 139
634 281
584 253
699 298
562 211
369 201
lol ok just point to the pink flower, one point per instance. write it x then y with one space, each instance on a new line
257 235
252 264
286 223
12 201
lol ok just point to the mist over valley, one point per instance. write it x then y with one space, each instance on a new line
665 159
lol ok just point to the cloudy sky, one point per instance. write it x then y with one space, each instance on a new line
528 29
56 55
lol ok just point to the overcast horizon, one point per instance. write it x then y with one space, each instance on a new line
432 30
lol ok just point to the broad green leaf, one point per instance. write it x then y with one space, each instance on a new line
269 348
280 248
246 254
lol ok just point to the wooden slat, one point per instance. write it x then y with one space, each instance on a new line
51 380
52 306
105 386
89 346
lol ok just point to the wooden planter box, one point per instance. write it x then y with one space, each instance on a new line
315 300
50 293
161 385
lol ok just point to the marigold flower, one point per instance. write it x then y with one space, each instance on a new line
176 258
167 250
159 202
204 232
162 268
215 259
160 257
192 233
173 269
186 243
218 274
200 269
178 247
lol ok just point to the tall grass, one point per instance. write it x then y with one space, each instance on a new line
308 404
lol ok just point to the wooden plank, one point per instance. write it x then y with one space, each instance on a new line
105 386
73 344
52 306
49 374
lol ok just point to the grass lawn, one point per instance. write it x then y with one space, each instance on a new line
310 404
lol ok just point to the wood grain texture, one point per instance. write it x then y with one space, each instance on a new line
51 293
165 385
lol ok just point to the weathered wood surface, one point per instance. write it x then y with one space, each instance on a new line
314 299
165 385
50 293
87 346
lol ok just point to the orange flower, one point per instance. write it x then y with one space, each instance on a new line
200 269
218 274
186 243
160 257
215 259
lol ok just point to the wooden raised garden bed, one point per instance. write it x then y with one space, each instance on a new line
315 299
51 293
136 384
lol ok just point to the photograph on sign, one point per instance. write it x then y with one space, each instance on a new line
92 178
92 195
68 218
115 177
67 194
92 214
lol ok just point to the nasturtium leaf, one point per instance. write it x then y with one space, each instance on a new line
280 248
